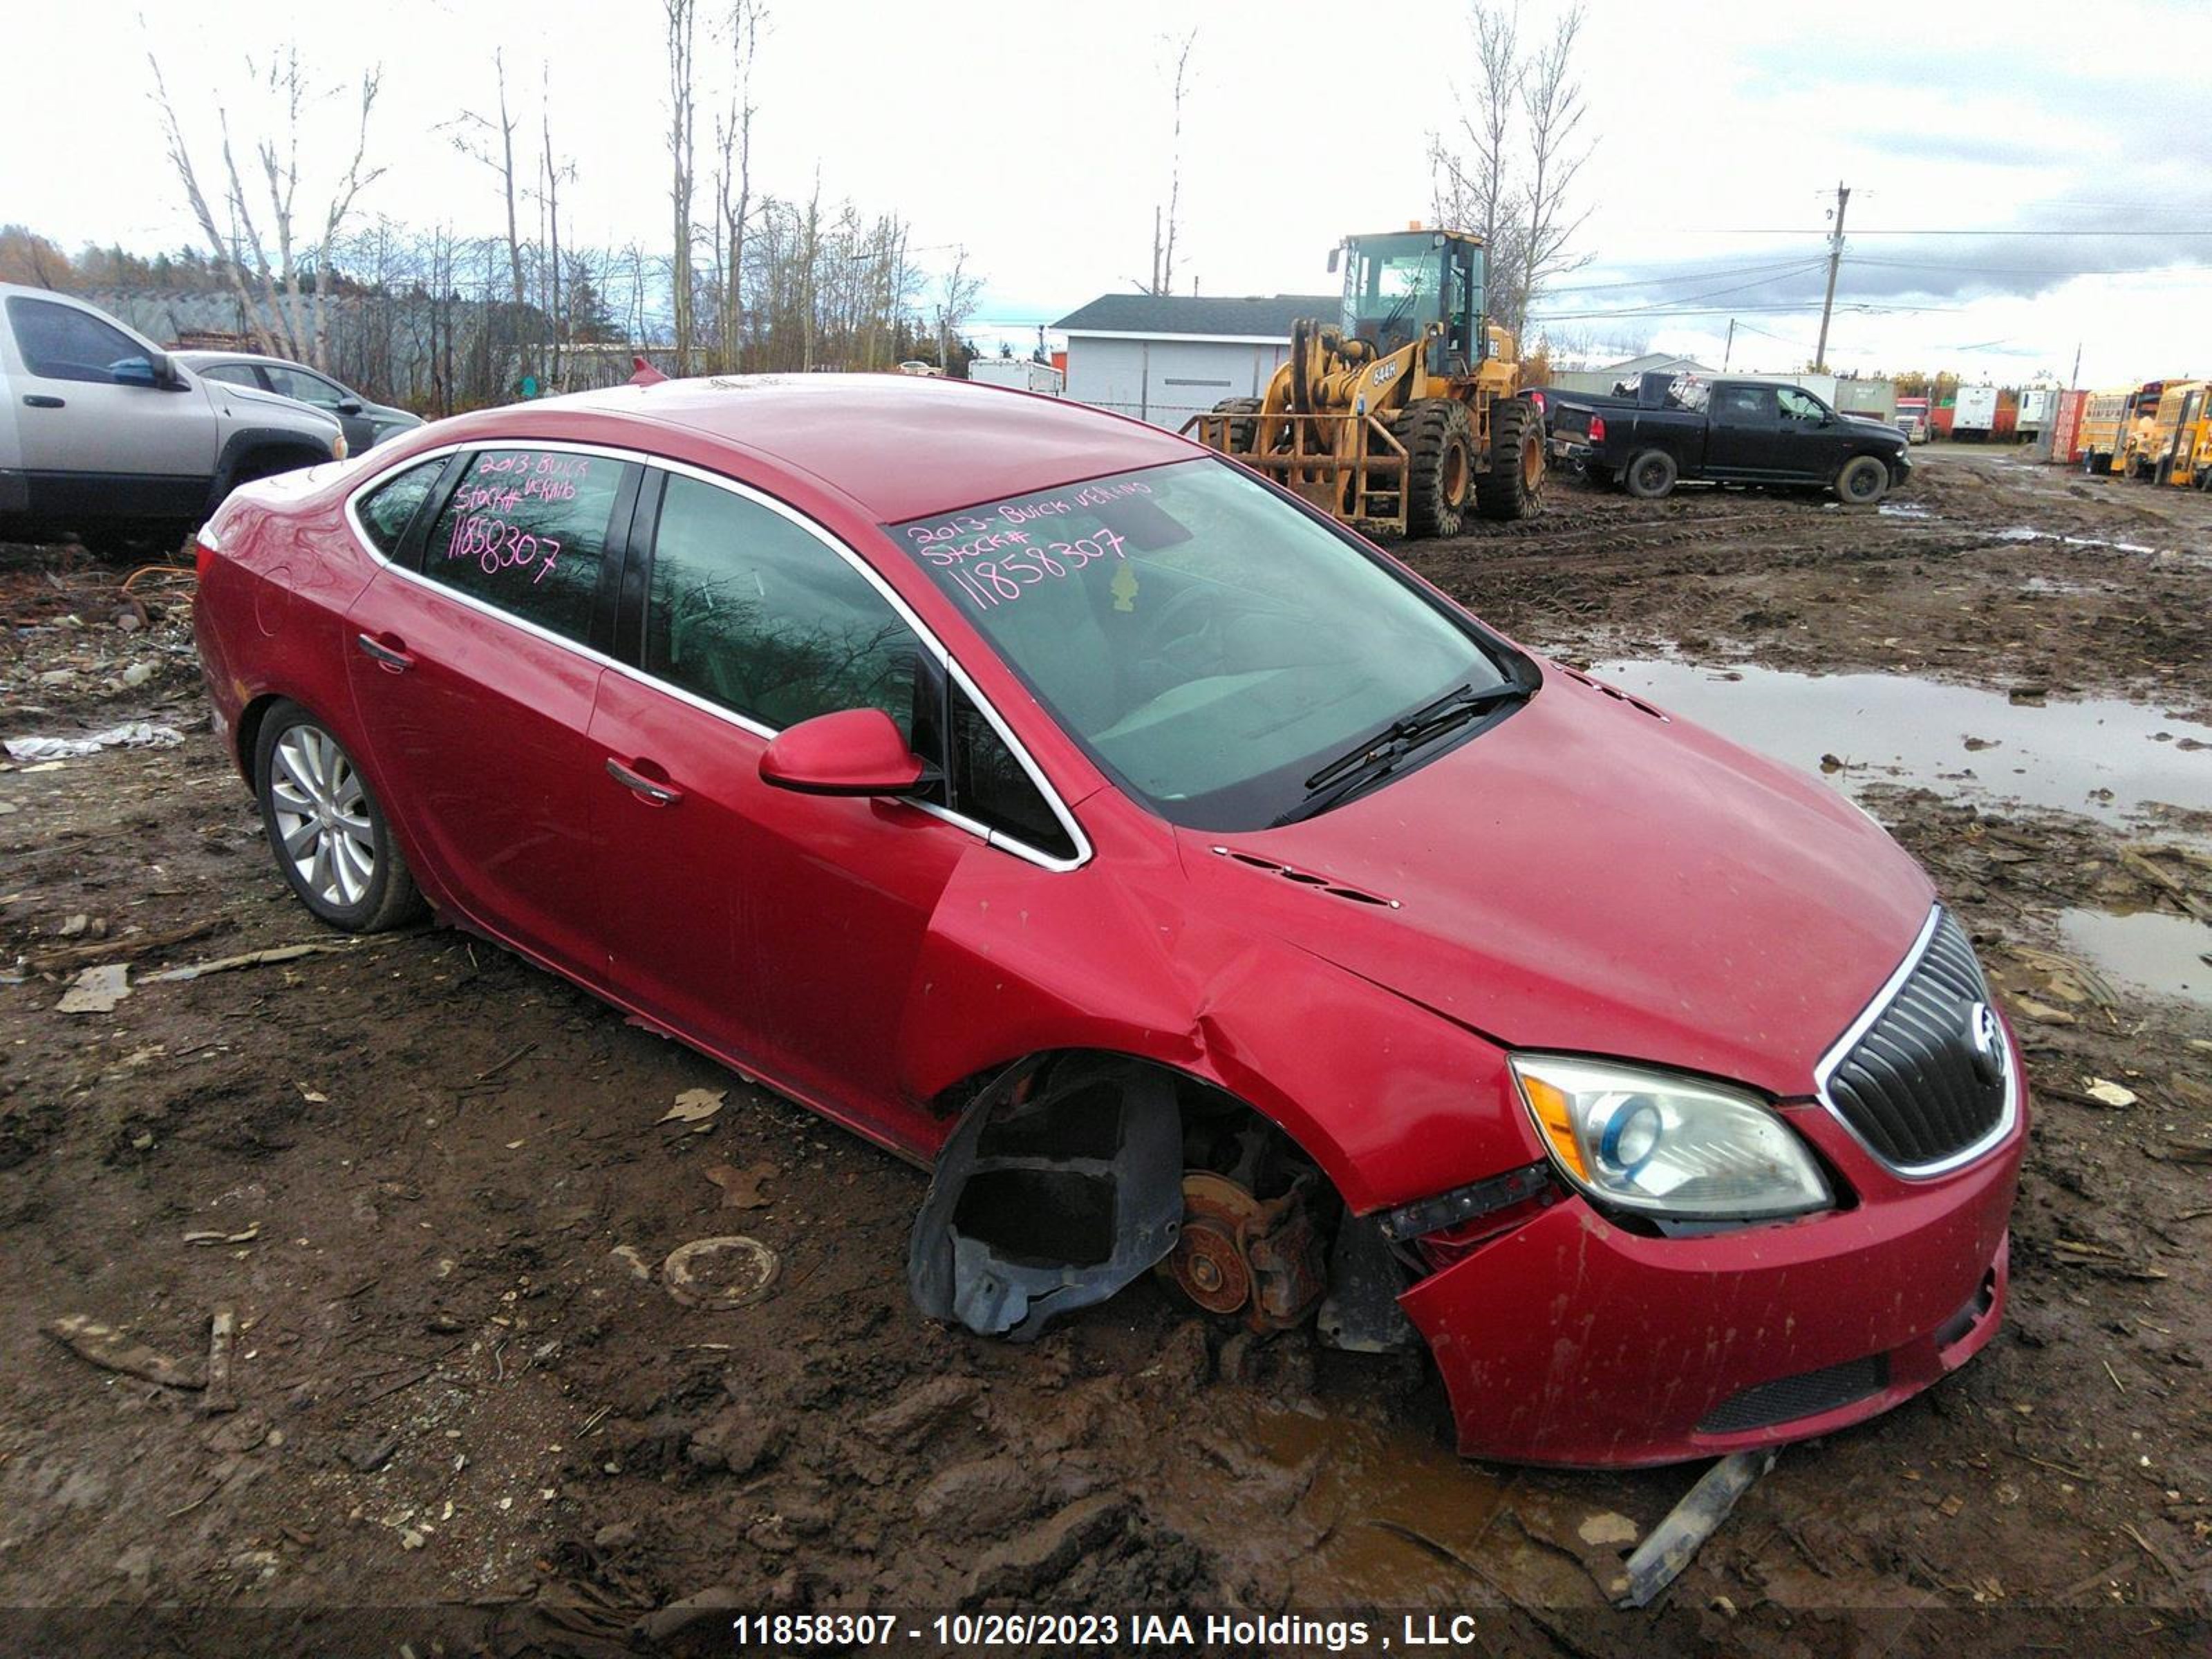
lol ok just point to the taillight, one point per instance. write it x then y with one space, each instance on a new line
202 556
1597 428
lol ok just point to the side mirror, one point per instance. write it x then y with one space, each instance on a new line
137 370
1332 253
348 405
855 751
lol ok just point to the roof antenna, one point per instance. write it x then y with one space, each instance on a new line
646 373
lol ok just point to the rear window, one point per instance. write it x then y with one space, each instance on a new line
526 529
388 510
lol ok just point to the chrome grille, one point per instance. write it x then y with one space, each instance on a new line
1911 1079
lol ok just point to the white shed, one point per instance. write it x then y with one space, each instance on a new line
1022 373
1165 358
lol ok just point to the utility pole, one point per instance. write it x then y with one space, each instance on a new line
1728 355
1835 259
2074 380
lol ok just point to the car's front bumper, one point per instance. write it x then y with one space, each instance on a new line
1571 1341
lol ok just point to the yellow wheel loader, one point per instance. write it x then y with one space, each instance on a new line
1406 414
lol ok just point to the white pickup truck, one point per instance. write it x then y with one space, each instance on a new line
100 431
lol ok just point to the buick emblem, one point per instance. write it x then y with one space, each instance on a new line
1986 1037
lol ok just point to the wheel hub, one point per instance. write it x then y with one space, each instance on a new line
1240 1253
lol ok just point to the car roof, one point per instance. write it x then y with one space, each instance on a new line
901 446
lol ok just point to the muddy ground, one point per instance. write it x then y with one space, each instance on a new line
429 1185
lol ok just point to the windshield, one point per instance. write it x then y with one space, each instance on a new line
1209 645
1391 289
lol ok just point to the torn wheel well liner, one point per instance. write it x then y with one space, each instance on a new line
1061 1183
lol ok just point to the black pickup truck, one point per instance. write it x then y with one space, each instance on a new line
1679 427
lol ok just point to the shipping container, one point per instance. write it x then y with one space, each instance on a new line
1974 412
2066 427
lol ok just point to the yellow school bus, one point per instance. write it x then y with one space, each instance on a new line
2109 422
2172 447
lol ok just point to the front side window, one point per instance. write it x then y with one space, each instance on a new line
386 511
526 529
1210 645
305 387
1798 405
60 343
752 612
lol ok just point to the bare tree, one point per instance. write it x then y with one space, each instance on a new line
492 142
1164 223
682 17
1474 192
1551 99
955 303
1511 173
279 318
733 177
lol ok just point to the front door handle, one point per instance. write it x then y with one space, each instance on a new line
645 789
392 659
40 400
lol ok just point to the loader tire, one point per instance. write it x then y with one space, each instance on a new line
1512 487
1241 434
1439 442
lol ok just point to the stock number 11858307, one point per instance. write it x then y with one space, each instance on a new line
988 582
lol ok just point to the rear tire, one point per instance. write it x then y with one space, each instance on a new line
1241 434
1513 485
1650 475
1863 481
1439 442
329 836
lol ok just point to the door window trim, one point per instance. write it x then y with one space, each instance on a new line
628 552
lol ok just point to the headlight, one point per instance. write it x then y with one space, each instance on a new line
338 447
1668 1145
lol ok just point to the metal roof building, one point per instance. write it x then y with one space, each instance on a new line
1164 358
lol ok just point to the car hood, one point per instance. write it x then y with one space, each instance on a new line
304 415
1588 875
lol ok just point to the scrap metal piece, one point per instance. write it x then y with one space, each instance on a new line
1662 1557
1062 1183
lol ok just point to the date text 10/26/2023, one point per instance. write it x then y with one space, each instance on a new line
1139 1631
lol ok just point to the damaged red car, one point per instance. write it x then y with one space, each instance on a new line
1188 884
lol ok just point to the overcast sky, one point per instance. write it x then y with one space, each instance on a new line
1035 135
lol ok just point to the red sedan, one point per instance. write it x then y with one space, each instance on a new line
1188 884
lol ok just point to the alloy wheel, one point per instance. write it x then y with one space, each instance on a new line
321 811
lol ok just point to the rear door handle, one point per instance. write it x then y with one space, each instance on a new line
40 400
659 795
392 659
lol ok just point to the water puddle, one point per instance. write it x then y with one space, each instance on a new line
1904 510
1396 1507
2101 757
2151 950
2023 533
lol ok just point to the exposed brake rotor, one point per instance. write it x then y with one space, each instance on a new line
1239 1253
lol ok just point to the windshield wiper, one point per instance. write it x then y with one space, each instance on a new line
1376 758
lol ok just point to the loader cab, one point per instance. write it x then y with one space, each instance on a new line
1396 285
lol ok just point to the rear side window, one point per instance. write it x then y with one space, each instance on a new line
386 511
60 343
526 529
750 611
233 373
